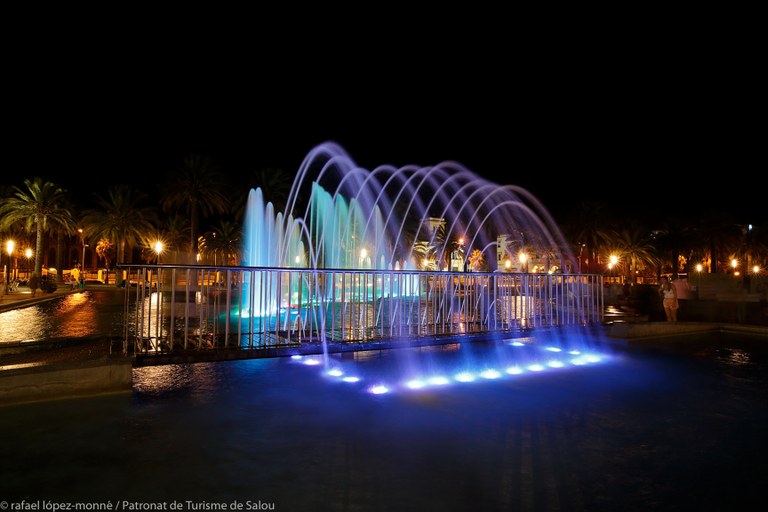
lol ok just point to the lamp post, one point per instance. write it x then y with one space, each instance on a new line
82 264
699 268
28 254
613 262
158 249
9 246
522 257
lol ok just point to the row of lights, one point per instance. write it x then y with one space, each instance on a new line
574 357
10 246
735 264
614 260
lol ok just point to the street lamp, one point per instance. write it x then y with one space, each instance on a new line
28 254
699 268
9 246
613 262
158 249
82 264
523 259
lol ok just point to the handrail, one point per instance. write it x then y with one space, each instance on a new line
174 308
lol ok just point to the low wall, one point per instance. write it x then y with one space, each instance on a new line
30 383
643 330
629 331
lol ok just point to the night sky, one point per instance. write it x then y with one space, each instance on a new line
671 148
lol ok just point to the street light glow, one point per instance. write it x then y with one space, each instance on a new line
158 246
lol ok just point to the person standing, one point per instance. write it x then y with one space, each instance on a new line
669 299
34 283
74 278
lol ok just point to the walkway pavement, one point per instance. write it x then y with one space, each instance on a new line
22 297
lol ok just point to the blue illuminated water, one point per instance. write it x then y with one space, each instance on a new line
679 425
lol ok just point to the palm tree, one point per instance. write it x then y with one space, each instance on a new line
588 230
199 189
105 250
635 246
40 206
63 227
424 254
275 184
223 243
477 260
672 241
121 218
176 230
720 234
173 233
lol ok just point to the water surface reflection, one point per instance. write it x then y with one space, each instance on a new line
670 428
77 315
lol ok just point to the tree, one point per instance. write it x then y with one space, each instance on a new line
105 250
275 184
39 207
222 245
588 231
672 241
477 260
199 190
121 218
635 246
721 235
173 233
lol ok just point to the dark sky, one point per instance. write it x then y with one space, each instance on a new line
679 147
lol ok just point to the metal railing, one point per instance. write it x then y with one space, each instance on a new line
190 307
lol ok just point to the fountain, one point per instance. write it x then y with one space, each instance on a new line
367 221
370 237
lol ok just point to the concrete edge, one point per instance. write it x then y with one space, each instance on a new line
631 331
34 383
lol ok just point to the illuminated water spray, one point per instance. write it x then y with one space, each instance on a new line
411 218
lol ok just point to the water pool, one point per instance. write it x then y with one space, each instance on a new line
672 425
97 312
